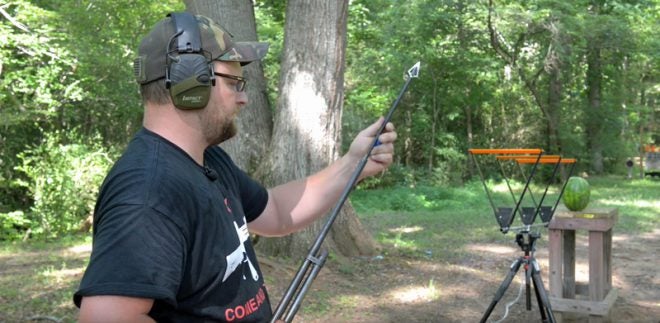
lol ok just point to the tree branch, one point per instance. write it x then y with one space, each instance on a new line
495 37
511 59
12 20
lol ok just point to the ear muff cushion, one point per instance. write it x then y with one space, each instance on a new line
190 81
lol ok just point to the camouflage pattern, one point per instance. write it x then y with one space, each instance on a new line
217 44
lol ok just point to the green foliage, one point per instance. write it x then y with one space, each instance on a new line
36 82
62 176
37 69
269 16
64 65
104 36
418 198
430 119
13 224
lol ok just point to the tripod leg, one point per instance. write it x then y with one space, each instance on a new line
528 278
539 300
500 292
541 295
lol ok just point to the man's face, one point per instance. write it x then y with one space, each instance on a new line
217 119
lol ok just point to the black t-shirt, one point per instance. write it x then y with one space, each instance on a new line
171 230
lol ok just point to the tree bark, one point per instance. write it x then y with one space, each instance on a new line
408 140
553 67
594 115
254 122
434 125
307 128
470 138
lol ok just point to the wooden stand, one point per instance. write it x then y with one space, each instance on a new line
563 289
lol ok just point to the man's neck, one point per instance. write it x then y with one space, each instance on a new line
179 127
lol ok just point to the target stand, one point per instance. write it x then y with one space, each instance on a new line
528 209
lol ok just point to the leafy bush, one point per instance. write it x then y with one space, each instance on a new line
419 198
12 225
62 176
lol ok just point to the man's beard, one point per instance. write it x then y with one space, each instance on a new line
226 132
218 131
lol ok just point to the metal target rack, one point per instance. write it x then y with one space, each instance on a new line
505 216
521 157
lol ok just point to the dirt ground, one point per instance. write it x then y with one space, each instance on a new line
422 289
389 288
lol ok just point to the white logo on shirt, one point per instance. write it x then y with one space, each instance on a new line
239 256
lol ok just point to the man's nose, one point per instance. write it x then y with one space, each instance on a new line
242 98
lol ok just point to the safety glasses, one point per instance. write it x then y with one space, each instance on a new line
239 86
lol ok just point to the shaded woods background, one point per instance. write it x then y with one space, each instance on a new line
577 78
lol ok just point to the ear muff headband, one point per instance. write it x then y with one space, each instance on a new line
189 74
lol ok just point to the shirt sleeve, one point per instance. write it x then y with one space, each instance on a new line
153 267
253 195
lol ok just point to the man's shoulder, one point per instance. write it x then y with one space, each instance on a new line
148 166
149 152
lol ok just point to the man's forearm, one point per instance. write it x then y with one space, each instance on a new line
308 199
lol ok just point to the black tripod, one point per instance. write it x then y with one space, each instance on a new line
526 241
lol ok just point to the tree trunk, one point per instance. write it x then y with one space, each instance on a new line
254 122
470 139
434 125
594 83
554 103
555 86
408 140
594 115
307 128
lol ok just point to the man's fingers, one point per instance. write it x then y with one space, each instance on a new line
383 151
371 130
382 158
387 137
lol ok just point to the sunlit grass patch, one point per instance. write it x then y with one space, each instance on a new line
417 293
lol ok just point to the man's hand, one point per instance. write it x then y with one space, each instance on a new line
382 155
294 205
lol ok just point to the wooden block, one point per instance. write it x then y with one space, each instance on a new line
569 263
607 236
599 294
588 307
556 263
590 219
596 266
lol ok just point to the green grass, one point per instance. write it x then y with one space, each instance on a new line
38 278
638 201
436 221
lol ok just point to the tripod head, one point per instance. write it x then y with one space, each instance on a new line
527 240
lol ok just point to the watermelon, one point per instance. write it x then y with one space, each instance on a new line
576 194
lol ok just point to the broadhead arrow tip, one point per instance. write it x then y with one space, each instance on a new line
414 71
